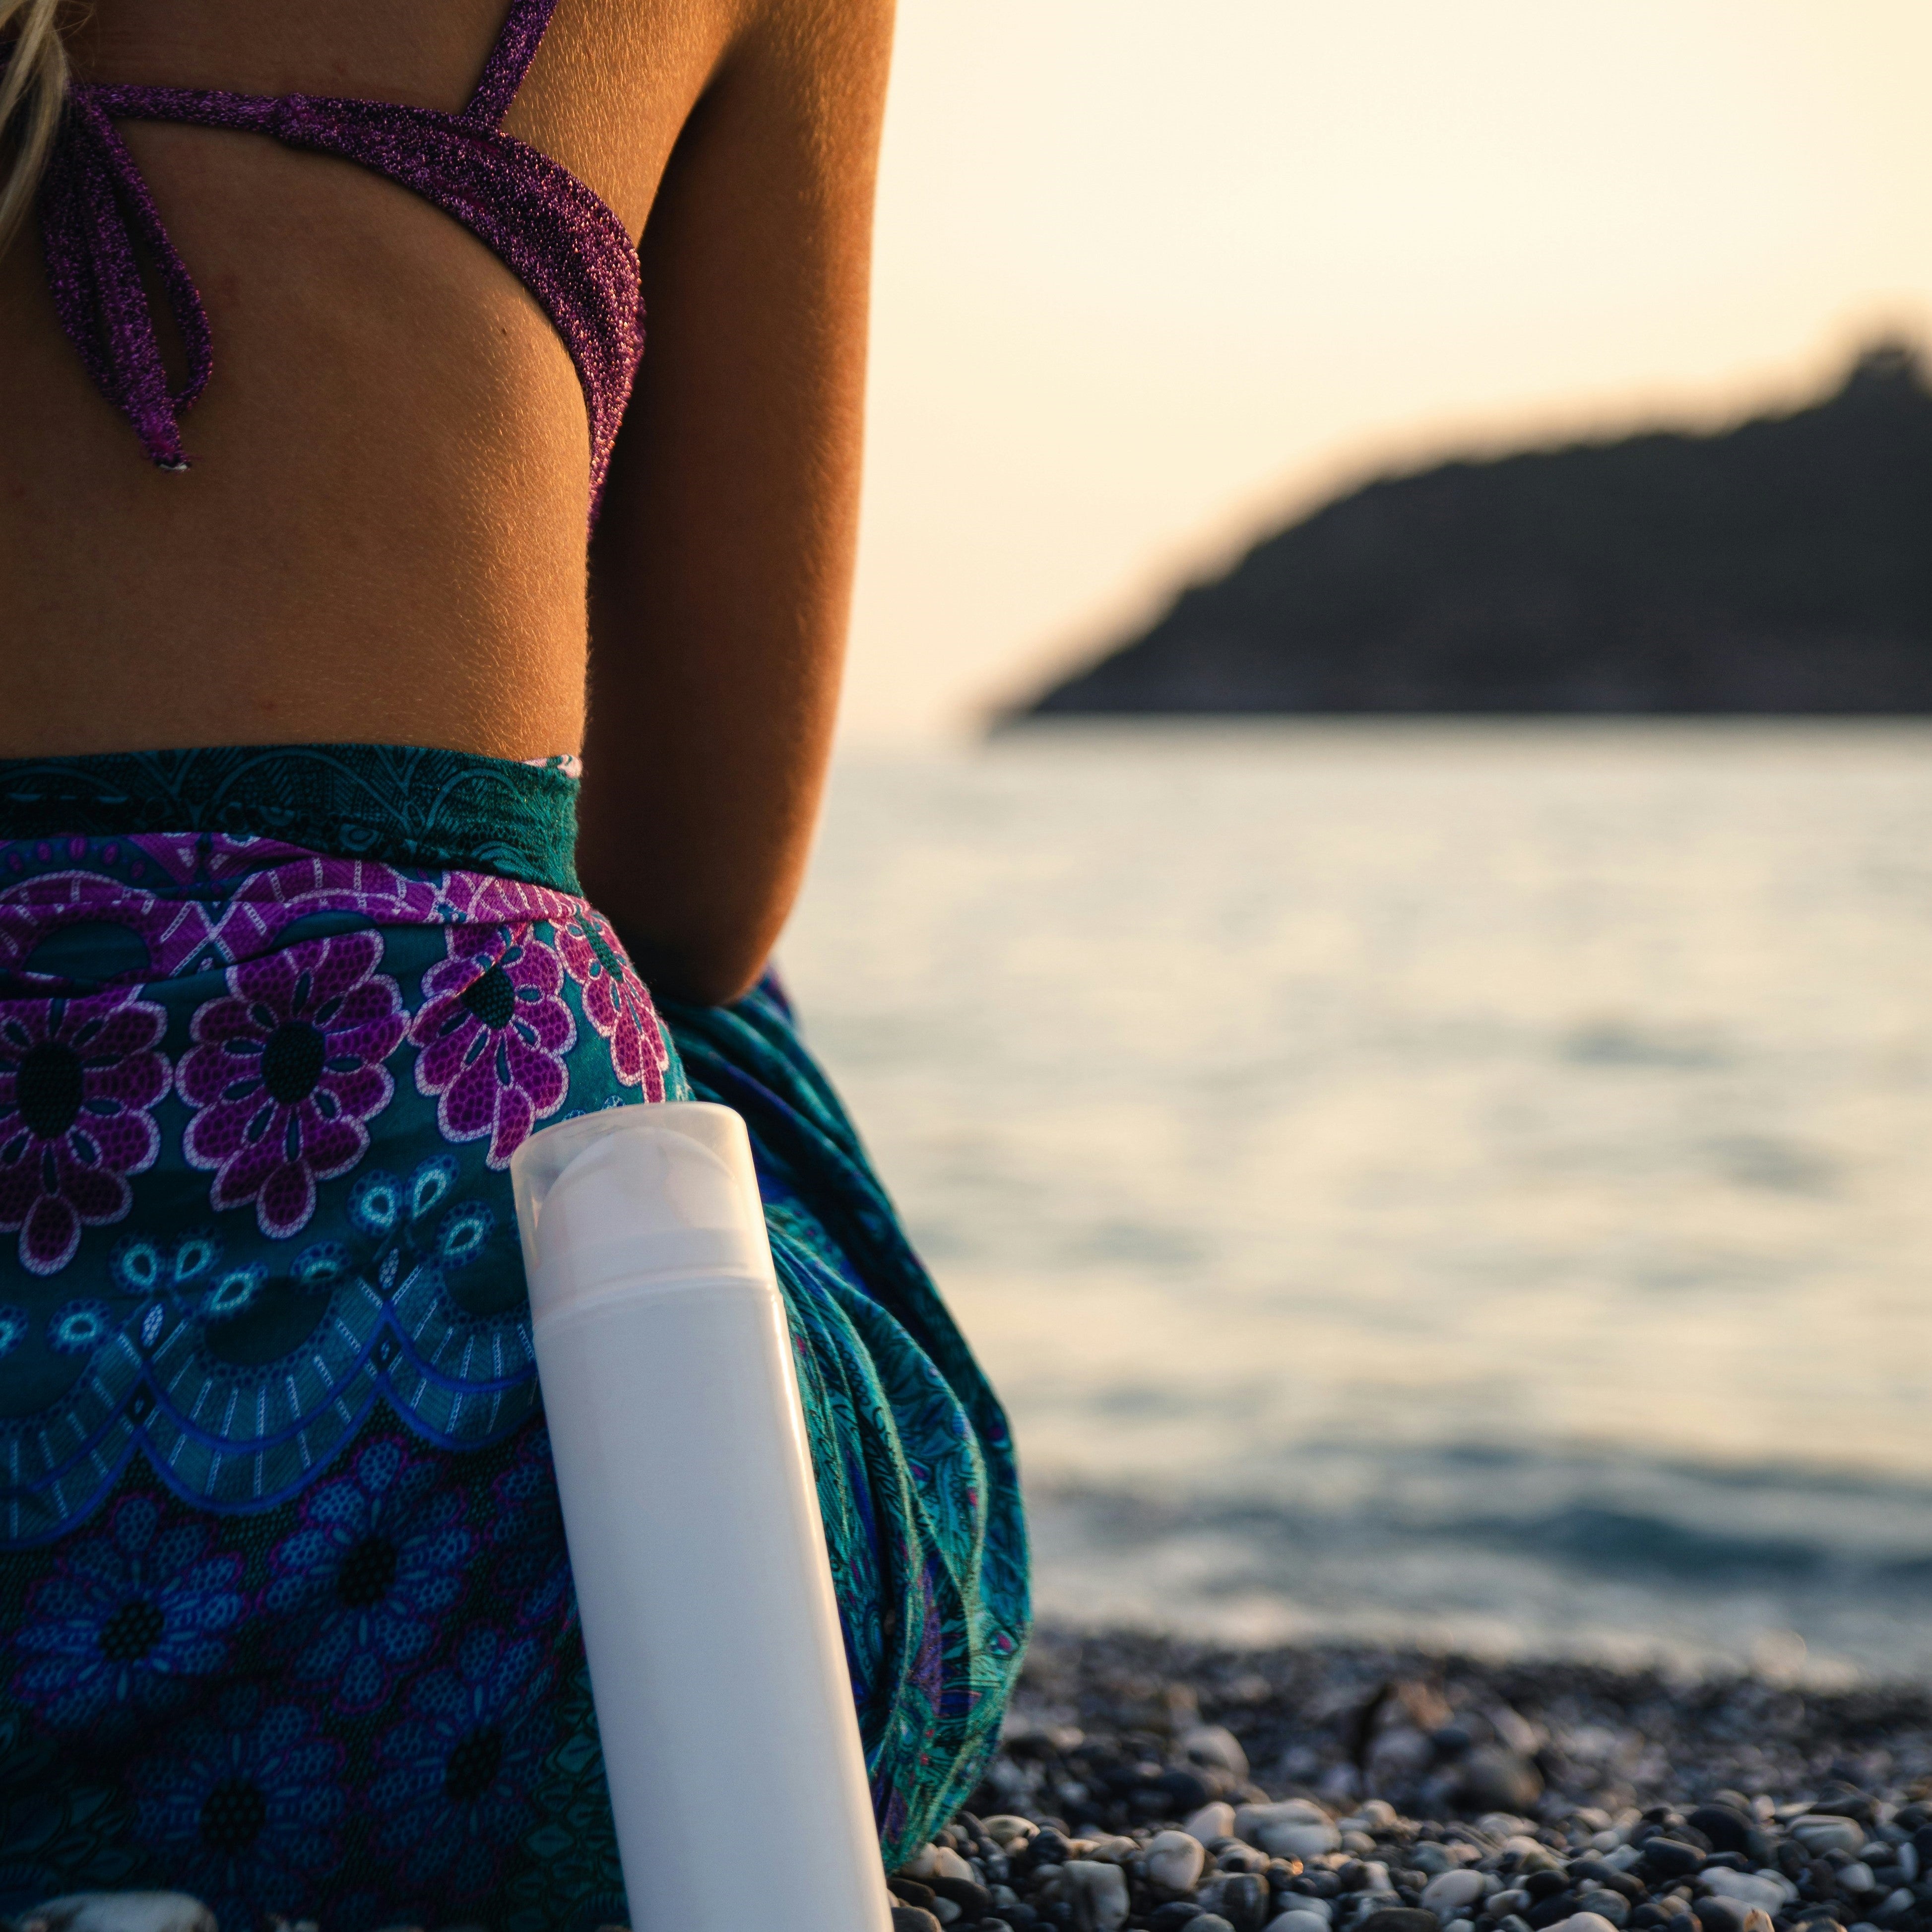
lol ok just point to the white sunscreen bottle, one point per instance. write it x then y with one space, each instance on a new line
717 1666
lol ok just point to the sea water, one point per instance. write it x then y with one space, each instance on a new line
1469 1184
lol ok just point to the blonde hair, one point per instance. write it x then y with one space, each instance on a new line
33 86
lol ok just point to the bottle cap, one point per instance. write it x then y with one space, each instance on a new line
637 1197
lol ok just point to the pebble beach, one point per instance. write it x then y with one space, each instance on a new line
1143 1783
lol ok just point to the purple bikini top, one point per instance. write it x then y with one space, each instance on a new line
566 246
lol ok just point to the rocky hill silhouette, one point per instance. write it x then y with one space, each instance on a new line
1782 566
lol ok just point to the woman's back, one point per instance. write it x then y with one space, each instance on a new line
382 532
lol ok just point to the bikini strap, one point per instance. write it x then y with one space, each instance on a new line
509 60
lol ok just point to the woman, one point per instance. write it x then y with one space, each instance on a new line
296 909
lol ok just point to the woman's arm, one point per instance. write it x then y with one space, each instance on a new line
722 570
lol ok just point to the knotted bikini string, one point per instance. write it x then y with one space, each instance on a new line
97 215
94 207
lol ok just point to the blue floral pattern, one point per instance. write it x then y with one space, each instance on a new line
367 1582
246 1804
453 1792
127 1622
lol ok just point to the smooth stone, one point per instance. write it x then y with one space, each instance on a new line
1211 1821
931 1861
945 1911
972 1898
1003 1828
1556 1910
1097 1893
1242 1899
910 1919
1113 1849
1399 1918
910 1891
1610 1905
1819 1832
1451 1890
1756 1921
1297 1920
1207 1922
1295 1828
1589 1872
1728 1829
119 1912
1175 1861
1171 1918
1857 1876
1748 1888
1587 1922
1719 1914
1669 1858
1212 1744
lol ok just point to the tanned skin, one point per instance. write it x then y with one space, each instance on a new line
382 537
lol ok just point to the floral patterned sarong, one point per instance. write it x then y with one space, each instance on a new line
286 1619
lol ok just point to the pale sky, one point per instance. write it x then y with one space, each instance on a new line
1151 273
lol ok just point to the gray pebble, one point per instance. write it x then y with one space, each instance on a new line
1715 1914
1819 1832
1097 1894
1449 1892
119 1912
1399 1919
1612 1906
1211 1744
1175 1862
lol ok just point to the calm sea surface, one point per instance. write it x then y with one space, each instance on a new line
1468 1183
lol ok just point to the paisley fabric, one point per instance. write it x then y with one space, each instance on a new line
286 1616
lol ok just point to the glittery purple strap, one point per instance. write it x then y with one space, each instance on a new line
509 60
566 244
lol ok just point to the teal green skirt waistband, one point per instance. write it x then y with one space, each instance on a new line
403 805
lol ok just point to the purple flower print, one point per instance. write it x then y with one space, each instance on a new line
166 933
615 1001
286 1070
378 1562
77 1077
127 1621
493 1030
